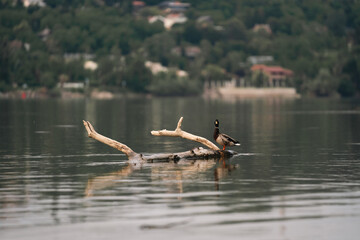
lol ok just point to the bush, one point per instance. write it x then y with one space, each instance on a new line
48 80
259 79
169 84
346 87
4 87
137 77
324 85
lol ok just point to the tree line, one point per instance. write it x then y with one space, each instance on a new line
318 40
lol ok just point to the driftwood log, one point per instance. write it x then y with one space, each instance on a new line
212 151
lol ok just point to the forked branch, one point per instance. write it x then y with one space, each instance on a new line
108 141
178 132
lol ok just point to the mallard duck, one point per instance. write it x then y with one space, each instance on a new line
223 139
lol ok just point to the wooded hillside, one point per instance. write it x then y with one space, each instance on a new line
41 46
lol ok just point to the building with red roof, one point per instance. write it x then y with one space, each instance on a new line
277 76
137 6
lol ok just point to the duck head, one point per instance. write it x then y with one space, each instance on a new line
216 122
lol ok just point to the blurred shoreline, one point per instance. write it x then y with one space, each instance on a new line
212 93
43 93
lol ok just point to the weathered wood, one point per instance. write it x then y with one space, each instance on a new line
108 141
196 153
178 132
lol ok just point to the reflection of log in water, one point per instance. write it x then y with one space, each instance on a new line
109 180
171 174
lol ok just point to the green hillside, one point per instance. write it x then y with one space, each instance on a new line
42 46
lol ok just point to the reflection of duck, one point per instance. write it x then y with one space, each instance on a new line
222 171
223 139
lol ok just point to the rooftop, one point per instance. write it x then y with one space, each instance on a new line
271 69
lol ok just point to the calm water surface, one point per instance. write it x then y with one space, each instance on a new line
297 174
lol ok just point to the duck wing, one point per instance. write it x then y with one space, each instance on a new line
229 140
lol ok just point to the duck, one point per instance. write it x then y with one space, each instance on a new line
223 139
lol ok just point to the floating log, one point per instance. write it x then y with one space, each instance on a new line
212 151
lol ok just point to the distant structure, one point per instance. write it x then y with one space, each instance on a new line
181 73
174 6
204 21
190 51
71 85
260 59
156 67
137 6
28 3
262 27
44 34
68 57
277 76
169 20
90 65
173 13
16 44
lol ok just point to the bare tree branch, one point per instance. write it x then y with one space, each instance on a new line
178 132
108 141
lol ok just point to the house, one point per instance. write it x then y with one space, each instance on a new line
190 51
174 6
156 68
276 75
90 65
181 73
137 6
28 3
262 27
169 20
177 51
259 59
68 57
44 34
174 18
154 19
16 44
204 21
71 85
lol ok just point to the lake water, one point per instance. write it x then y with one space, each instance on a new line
296 174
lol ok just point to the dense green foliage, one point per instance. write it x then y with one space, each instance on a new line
168 83
318 40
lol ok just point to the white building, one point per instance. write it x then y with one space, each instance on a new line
169 20
155 67
260 59
90 65
39 3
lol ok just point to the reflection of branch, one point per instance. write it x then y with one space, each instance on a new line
102 182
180 133
173 181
